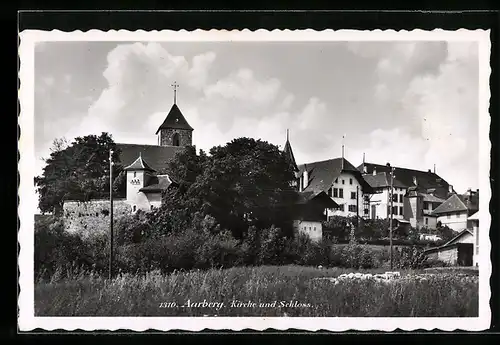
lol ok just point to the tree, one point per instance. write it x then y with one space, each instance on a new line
245 182
76 171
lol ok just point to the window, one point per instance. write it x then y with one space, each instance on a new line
352 208
175 139
134 208
366 211
341 207
457 214
314 228
353 195
448 216
335 192
395 198
341 193
400 210
343 182
401 198
135 173
426 221
395 210
350 181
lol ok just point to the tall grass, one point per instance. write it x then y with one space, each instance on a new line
142 295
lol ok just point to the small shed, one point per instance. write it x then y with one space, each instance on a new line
459 251
310 212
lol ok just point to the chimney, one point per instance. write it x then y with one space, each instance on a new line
450 189
374 171
365 169
305 179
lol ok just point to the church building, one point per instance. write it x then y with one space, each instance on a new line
145 165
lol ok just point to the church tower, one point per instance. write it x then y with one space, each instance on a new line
175 130
291 158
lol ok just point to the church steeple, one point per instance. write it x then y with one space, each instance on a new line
289 153
175 130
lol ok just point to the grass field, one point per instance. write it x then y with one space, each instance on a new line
270 291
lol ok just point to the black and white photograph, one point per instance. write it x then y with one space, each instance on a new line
251 180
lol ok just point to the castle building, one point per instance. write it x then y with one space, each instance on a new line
146 177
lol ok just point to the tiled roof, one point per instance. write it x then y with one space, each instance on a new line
322 174
425 179
139 164
175 120
156 156
452 204
381 180
157 183
431 198
288 151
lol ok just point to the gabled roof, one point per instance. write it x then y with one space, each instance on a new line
175 120
475 216
322 174
157 184
139 164
460 234
452 204
156 156
451 243
431 198
306 197
381 180
289 153
425 179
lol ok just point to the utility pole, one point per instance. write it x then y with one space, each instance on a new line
391 214
110 214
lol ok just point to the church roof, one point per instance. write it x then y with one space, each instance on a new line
157 184
175 120
322 174
157 157
289 153
425 179
139 164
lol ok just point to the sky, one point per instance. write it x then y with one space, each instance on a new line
412 104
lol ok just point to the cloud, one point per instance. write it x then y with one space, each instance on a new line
139 78
243 86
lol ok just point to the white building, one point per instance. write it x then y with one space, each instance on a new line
144 186
340 180
455 211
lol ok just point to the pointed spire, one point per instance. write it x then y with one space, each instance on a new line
139 164
288 151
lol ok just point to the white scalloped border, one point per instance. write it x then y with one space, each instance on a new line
27 204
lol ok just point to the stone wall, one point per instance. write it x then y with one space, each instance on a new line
91 217
167 135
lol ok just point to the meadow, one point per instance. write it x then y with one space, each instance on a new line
258 291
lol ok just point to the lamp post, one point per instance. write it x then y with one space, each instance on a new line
391 214
110 213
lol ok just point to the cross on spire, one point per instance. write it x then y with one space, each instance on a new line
175 86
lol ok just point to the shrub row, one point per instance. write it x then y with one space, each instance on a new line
58 253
